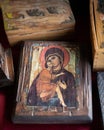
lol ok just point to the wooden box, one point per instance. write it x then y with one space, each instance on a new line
37 19
6 67
54 84
97 33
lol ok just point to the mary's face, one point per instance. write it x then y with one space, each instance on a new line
53 61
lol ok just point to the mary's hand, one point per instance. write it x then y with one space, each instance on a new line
62 84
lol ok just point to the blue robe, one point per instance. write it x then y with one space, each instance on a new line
69 94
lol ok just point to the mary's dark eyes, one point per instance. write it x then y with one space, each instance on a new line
53 58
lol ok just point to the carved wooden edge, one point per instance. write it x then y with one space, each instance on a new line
9 64
6 64
84 91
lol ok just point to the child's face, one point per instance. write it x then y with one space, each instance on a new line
49 64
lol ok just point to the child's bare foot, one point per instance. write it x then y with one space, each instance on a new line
63 104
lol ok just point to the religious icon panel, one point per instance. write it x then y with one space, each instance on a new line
52 85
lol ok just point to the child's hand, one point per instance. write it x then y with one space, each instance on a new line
62 84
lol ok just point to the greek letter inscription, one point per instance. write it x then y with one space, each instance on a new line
52 10
35 12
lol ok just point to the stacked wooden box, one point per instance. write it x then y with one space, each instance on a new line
97 33
38 20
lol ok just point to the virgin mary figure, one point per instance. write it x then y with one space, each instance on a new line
54 85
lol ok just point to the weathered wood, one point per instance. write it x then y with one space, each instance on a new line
38 20
39 76
6 67
97 34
